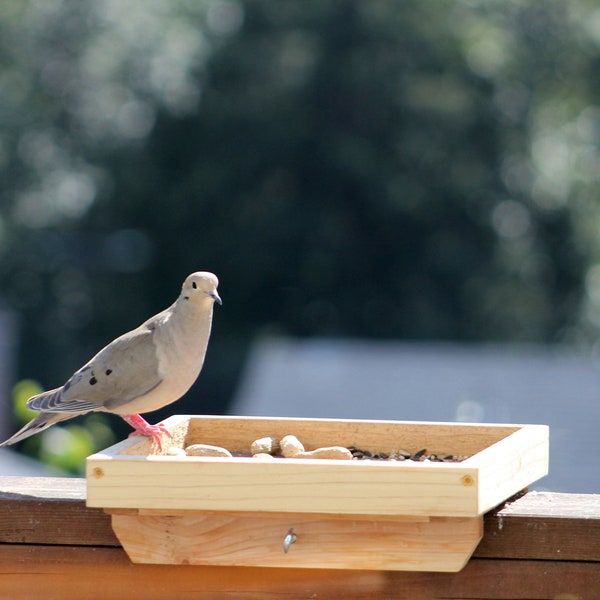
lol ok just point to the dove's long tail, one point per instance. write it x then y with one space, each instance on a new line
37 424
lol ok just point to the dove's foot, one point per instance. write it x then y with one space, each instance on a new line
142 427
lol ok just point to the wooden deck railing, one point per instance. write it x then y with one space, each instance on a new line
542 546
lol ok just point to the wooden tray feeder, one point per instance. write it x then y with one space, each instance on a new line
314 513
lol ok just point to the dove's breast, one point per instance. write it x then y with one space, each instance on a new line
180 347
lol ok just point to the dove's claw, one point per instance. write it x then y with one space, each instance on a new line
142 427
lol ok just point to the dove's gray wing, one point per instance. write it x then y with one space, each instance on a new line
124 370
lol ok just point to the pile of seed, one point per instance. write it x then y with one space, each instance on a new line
400 455
290 446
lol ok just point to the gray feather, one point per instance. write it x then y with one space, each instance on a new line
37 424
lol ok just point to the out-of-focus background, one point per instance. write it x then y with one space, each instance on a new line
401 200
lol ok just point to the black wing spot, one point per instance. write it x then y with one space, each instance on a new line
194 284
93 381
108 371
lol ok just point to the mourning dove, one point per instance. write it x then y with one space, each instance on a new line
140 371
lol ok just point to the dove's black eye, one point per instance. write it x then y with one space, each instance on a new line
194 284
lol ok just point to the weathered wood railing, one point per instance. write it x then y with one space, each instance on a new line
542 546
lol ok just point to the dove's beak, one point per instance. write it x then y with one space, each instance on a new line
216 297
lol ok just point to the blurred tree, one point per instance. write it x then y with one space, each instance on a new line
385 169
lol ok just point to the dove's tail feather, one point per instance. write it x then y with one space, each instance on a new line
37 424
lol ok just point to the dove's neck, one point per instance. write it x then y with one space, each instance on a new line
192 321
184 335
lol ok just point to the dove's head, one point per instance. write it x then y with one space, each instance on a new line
200 286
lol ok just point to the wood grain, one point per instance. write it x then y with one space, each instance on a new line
286 485
323 542
51 510
377 436
544 525
511 464
81 573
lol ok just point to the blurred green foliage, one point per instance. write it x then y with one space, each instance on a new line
416 169
22 391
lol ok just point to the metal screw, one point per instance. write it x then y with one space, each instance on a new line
289 539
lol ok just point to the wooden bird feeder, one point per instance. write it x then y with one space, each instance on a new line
314 513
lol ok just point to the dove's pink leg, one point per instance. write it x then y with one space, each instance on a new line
142 427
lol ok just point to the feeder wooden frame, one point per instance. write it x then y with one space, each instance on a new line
420 516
